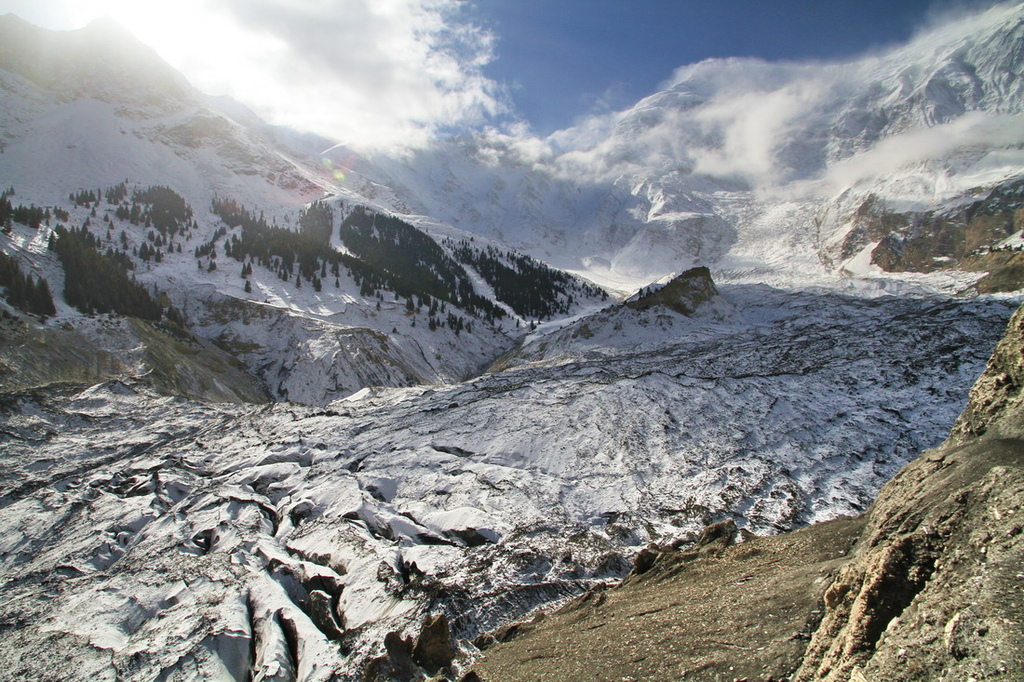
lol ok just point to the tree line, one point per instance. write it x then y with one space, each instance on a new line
25 292
419 262
158 207
379 264
95 282
528 286
32 216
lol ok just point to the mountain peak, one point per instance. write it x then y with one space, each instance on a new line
109 27
104 61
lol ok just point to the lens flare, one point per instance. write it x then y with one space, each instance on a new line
336 171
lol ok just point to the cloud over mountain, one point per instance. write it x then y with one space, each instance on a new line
367 71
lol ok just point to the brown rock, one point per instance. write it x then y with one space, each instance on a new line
433 649
321 612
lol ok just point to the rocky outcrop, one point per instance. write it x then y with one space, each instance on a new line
996 402
930 590
433 649
684 294
964 233
934 590
406 658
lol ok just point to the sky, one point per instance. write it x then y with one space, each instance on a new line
564 58
381 72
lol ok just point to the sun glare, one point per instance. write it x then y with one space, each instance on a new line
191 35
368 72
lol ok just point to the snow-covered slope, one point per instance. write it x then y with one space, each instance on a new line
757 170
157 538
304 343
85 111
90 108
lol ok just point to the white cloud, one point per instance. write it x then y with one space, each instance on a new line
725 121
750 126
364 72
768 124
972 131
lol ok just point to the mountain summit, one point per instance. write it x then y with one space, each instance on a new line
102 61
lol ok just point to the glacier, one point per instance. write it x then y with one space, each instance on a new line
150 537
313 476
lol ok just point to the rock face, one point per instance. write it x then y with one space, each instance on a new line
684 294
996 401
934 592
171 362
433 648
930 590
959 234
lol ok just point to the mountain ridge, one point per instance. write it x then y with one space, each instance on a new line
684 176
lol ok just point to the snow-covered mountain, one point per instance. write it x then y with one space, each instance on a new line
358 395
92 121
758 170
90 108
761 171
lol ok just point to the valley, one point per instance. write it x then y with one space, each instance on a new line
272 408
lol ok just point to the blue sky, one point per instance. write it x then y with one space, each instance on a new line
567 58
373 73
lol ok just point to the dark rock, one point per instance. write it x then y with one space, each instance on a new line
433 649
684 294
721 534
321 612
645 560
484 641
397 664
471 537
